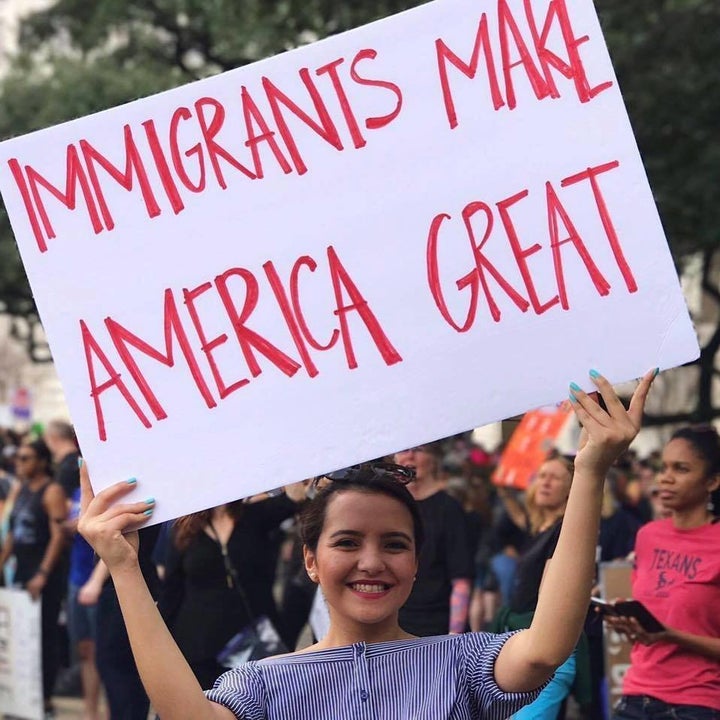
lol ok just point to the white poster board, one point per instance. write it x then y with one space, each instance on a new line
399 233
20 656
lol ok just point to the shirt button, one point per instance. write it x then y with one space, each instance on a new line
364 695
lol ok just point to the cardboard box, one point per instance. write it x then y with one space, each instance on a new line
615 583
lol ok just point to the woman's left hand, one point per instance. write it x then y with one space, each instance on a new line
608 432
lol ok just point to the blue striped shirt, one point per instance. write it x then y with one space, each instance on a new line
449 676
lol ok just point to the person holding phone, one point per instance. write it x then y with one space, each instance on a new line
676 672
629 609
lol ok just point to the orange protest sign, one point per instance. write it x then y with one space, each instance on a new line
529 445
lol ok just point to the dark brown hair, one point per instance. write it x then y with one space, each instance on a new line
706 443
187 527
42 453
312 517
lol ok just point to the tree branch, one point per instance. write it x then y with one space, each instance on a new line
185 40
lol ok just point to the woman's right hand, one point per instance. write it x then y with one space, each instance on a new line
109 526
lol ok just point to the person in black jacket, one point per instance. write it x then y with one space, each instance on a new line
219 576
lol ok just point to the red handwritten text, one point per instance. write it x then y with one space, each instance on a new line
167 171
239 292
563 237
537 64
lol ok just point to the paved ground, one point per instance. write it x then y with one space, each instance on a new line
68 708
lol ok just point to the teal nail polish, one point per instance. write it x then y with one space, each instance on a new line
594 374
573 399
150 501
656 372
575 387
148 512
80 462
132 481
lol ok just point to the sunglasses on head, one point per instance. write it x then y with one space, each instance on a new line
399 473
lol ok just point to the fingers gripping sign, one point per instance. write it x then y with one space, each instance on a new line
607 432
109 525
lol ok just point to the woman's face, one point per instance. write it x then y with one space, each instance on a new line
683 478
365 559
26 462
552 485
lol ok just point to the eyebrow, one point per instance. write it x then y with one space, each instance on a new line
356 533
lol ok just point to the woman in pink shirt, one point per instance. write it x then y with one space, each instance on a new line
676 673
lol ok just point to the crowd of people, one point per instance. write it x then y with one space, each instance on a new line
447 596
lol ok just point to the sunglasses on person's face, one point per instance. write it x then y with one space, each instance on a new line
399 473
24 458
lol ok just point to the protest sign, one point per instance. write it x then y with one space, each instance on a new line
21 404
20 659
529 445
399 233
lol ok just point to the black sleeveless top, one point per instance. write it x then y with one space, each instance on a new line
531 566
30 527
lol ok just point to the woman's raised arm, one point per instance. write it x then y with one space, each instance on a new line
173 690
529 658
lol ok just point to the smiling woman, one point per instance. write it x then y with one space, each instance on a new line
362 536
362 540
